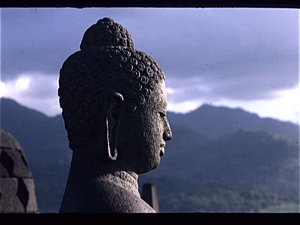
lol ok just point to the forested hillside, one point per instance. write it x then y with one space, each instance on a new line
219 160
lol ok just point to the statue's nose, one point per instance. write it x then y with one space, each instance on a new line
167 136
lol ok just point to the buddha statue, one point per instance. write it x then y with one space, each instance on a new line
114 102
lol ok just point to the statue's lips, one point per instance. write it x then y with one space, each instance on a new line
162 149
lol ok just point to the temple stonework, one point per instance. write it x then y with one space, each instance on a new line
17 190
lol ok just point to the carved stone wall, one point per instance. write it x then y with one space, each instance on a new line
17 190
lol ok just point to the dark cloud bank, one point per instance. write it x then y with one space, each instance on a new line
242 54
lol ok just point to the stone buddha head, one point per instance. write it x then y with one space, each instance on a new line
113 100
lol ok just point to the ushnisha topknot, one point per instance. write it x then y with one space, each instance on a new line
106 63
106 32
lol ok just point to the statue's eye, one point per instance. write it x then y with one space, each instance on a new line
162 114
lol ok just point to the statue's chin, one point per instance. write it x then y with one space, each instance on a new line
152 165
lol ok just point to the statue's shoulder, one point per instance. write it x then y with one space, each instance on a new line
114 197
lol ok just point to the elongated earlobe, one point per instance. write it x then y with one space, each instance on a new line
112 125
111 143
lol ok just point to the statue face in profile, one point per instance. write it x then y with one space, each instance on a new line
146 131
114 100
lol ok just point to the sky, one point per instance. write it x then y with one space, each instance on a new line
233 57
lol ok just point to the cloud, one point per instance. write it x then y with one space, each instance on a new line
208 55
285 107
36 91
40 40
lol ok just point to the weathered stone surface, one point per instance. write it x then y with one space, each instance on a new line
114 104
17 191
13 161
31 205
14 164
10 203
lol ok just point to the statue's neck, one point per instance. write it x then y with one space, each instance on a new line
91 171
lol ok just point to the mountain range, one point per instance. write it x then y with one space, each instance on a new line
219 160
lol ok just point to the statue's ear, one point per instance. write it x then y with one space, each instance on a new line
112 124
